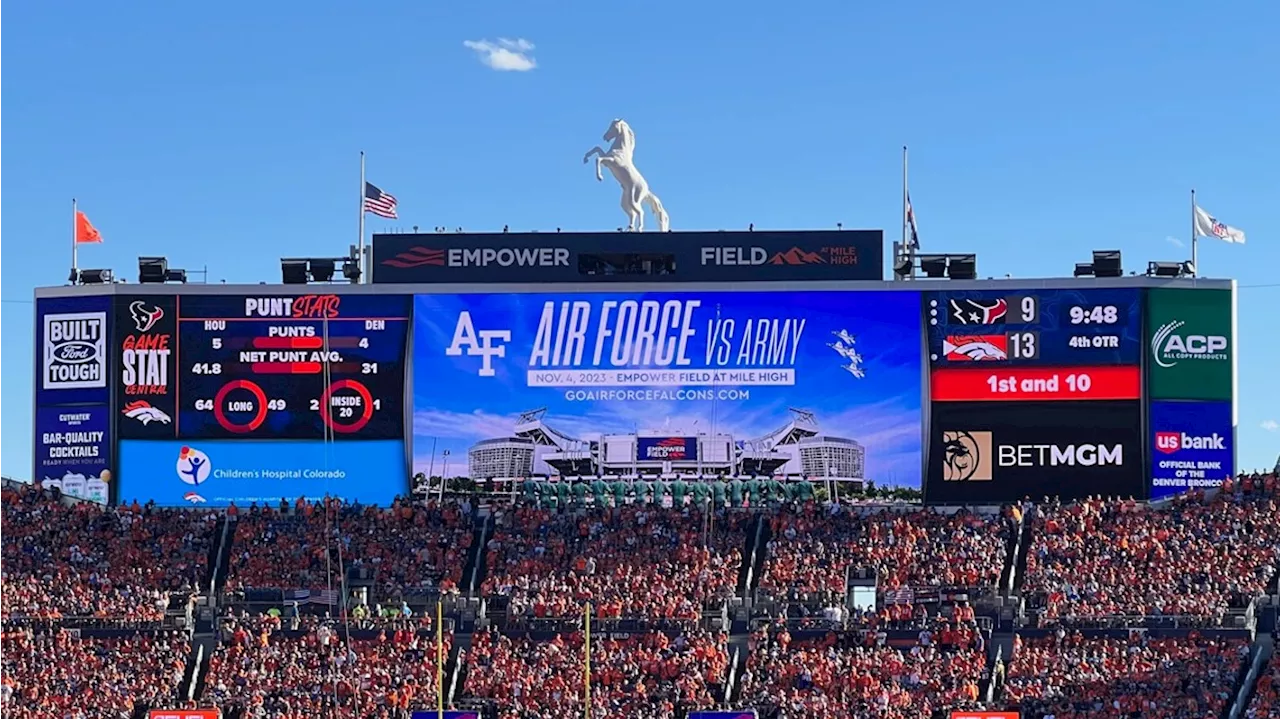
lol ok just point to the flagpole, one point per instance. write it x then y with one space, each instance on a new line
75 248
907 248
1195 266
360 252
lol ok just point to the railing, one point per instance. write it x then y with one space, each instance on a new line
92 622
601 625
1242 619
1256 662
195 673
732 678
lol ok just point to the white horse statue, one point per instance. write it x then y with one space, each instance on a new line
634 189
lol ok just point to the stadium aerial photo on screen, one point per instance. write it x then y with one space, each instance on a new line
816 385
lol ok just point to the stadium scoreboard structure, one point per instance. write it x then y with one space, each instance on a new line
973 391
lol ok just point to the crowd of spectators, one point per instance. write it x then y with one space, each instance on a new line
411 547
631 561
1068 676
264 670
1196 556
58 674
811 550
84 560
857 674
652 675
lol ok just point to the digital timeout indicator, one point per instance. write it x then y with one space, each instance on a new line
307 374
1043 345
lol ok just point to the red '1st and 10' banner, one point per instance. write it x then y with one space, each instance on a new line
1036 383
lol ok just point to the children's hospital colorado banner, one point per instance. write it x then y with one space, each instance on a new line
795 383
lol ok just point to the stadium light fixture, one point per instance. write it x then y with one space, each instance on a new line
293 272
1168 269
934 266
96 277
321 269
1106 263
152 270
177 275
1084 269
962 267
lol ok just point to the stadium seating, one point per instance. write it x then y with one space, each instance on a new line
56 674
112 565
410 548
642 675
1197 557
659 570
851 674
634 561
811 551
1070 676
262 667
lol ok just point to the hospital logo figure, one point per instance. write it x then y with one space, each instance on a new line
193 466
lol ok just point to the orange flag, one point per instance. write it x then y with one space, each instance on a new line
85 231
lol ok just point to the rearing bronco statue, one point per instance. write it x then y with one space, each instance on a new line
635 190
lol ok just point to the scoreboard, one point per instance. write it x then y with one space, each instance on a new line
227 394
1043 345
1034 392
302 367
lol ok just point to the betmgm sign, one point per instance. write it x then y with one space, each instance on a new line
667 257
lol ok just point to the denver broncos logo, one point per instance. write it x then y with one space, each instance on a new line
144 317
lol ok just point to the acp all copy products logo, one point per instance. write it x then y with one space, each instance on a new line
1172 343
75 350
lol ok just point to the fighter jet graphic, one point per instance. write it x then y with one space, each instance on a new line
844 346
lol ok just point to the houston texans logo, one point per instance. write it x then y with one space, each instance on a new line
144 317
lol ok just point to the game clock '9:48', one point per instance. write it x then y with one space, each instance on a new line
298 367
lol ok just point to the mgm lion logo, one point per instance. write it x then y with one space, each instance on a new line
966 456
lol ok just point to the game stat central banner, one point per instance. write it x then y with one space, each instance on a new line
670 364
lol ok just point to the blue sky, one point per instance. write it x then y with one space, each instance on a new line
227 136
454 406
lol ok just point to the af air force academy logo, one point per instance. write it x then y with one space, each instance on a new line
966 456
482 344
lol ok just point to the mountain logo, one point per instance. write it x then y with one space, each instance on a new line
797 256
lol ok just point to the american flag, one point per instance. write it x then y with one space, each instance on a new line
913 238
379 202
900 596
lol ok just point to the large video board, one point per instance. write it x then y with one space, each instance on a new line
1001 359
861 383
224 398
301 367
664 365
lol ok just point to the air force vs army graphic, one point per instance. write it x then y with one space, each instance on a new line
714 374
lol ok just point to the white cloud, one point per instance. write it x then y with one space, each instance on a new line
1174 241
504 55
1271 425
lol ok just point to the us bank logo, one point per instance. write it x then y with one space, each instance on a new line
1170 345
966 456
